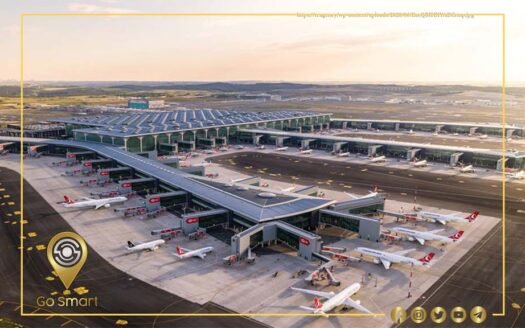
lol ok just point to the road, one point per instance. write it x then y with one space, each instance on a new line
117 292
477 278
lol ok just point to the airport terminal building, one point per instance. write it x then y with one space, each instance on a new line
168 132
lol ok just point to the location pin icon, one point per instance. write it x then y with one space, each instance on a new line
67 253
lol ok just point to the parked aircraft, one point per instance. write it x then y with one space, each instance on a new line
387 258
467 169
444 219
345 154
183 253
306 151
422 236
369 195
422 163
282 148
516 175
94 203
378 159
145 246
333 300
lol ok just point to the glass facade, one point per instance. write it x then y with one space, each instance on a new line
288 238
342 222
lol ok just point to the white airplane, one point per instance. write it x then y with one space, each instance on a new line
95 203
260 147
467 169
410 132
201 164
281 148
422 163
483 136
444 219
422 236
387 258
183 253
145 246
346 154
369 195
333 300
288 189
306 151
517 175
378 159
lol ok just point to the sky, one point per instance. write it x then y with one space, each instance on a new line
295 48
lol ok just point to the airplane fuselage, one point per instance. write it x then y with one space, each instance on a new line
106 202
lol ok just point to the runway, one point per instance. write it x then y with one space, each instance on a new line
117 292
477 278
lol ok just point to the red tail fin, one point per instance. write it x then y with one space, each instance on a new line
427 258
179 251
317 303
457 235
68 200
472 216
376 188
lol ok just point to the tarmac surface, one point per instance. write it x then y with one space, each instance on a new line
117 292
474 280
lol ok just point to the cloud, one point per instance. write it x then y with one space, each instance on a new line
89 8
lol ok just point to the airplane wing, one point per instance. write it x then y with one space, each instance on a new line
436 231
442 221
386 263
201 255
404 252
314 292
356 305
351 196
420 240
99 205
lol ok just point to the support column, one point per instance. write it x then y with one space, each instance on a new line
126 144
155 145
113 140
140 142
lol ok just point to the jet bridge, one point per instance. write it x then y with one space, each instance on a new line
204 219
305 242
167 200
367 228
92 165
412 153
131 185
107 175
372 150
454 158
305 143
75 157
336 147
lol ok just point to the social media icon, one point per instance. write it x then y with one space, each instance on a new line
418 314
478 314
458 314
438 314
398 314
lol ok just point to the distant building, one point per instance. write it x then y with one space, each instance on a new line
145 103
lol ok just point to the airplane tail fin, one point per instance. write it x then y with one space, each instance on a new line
68 200
472 216
317 303
130 244
179 250
457 235
427 258
376 188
